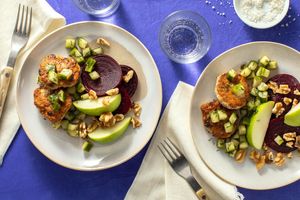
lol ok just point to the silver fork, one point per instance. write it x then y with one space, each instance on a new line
19 39
181 166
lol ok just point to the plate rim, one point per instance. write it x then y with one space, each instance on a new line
126 158
191 106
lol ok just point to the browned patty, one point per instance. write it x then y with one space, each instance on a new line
225 95
216 129
60 63
42 102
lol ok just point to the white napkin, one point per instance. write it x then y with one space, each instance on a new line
156 179
44 20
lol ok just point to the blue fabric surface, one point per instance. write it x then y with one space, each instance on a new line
27 174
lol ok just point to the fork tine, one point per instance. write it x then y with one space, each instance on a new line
22 19
26 20
17 20
30 18
164 154
175 148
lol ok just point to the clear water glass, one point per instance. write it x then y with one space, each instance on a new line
99 8
185 36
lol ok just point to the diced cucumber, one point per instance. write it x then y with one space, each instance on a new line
238 89
50 67
236 143
257 102
72 127
242 129
229 147
79 59
97 51
252 65
263 95
243 66
90 64
246 72
232 153
52 76
256 81
70 43
61 96
75 53
236 136
251 105
71 90
272 65
214 117
69 116
56 125
65 74
243 138
252 75
222 115
263 100
228 127
94 75
254 92
262 87
264 60
278 139
231 74
85 96
263 72
220 143
244 112
86 52
80 116
64 124
246 121
233 117
73 133
82 43
87 146
243 145
80 87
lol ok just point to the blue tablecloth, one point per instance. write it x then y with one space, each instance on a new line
27 174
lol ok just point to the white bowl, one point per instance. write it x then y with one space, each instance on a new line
261 25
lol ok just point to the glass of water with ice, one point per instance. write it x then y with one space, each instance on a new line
185 36
99 8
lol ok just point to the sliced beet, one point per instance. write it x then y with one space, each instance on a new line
285 79
132 83
277 127
125 103
110 75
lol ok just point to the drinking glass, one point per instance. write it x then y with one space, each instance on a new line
99 8
185 36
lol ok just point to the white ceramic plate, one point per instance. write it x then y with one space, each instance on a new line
56 144
244 175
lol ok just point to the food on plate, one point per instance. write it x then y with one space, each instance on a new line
232 90
53 105
88 94
57 71
255 113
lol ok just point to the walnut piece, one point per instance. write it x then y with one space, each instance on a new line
291 136
137 109
269 156
119 117
279 159
240 155
105 101
296 92
82 130
128 76
91 127
287 101
112 92
103 42
273 86
107 119
135 122
92 94
297 143
290 144
258 159
295 102
289 155
278 109
283 89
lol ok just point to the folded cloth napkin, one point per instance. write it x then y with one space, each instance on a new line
155 178
44 20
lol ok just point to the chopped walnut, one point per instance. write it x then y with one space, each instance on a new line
112 92
290 144
128 76
82 130
103 42
258 159
107 119
290 155
240 155
119 117
135 122
254 155
105 101
295 102
296 92
269 156
283 89
273 86
92 94
287 101
297 143
279 159
91 127
137 109
291 136
278 109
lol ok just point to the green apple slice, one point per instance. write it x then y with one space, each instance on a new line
106 135
292 118
95 107
259 123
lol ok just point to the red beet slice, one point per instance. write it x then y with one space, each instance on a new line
277 127
293 84
132 83
125 103
110 75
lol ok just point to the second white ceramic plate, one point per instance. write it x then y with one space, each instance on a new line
244 175
56 144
